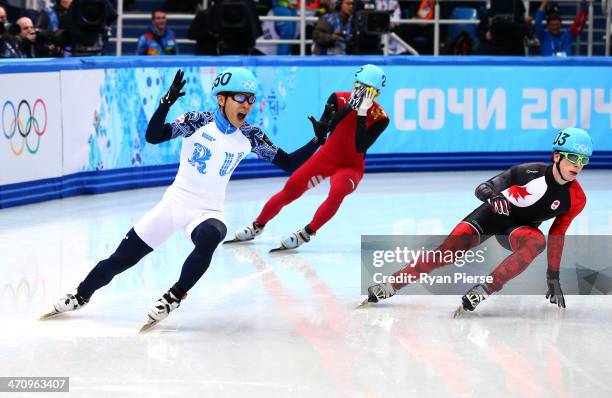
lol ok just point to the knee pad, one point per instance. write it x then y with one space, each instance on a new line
209 233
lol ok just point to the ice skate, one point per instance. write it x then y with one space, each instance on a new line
378 292
293 241
246 233
160 309
471 299
69 302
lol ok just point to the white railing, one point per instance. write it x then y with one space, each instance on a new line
302 19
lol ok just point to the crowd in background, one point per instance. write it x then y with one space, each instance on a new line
505 28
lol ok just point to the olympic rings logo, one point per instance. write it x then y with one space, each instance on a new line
24 120
580 148
249 86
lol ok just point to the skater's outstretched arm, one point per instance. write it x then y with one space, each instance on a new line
157 131
266 150
292 161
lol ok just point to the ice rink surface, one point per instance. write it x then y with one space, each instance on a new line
276 325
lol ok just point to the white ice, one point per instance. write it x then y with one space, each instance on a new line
261 325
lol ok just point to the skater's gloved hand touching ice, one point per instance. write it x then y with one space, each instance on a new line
554 293
367 101
499 204
321 126
175 92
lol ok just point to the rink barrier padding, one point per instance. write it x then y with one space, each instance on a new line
103 181
89 114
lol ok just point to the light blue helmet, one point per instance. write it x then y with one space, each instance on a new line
573 140
371 75
234 79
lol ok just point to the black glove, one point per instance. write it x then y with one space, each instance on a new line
174 92
321 127
499 204
554 293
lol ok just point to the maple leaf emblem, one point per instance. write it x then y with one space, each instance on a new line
518 192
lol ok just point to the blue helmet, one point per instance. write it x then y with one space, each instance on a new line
371 75
236 80
573 140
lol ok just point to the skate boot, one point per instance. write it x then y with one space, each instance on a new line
70 302
471 299
378 292
248 232
162 308
294 240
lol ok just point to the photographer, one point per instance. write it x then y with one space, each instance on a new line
333 31
8 44
26 38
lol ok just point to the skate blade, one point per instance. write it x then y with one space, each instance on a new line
50 315
281 249
459 312
236 241
363 304
150 323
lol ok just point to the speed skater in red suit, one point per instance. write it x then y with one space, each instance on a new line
354 121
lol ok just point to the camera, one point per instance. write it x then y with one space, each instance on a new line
369 21
367 27
59 38
236 25
87 26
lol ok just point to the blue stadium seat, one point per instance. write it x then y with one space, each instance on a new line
456 29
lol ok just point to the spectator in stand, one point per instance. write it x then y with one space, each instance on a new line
158 39
333 30
554 42
279 29
285 29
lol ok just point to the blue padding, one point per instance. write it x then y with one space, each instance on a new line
103 181
185 61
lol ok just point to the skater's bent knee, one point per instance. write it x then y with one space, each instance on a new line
209 233
528 237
